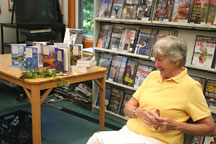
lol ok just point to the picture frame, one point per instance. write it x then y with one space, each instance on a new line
10 5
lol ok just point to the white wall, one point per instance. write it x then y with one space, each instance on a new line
5 17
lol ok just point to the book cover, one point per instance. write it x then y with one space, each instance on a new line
59 56
117 8
31 58
144 10
180 11
105 62
17 55
127 40
144 43
105 8
73 36
76 52
165 32
126 98
104 36
129 11
197 140
115 39
210 89
141 73
130 73
115 100
49 57
211 19
40 46
117 68
204 51
161 10
199 11
201 80
107 97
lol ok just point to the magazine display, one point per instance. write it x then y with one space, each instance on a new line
130 72
105 62
130 9
115 100
144 10
115 39
141 74
181 11
105 8
145 42
127 40
210 89
104 36
117 8
212 12
204 51
200 11
161 10
117 68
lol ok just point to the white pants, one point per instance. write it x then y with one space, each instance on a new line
123 136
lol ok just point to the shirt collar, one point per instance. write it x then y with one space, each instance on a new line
179 77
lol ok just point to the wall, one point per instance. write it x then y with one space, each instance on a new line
5 17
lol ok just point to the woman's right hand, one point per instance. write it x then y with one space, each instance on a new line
147 116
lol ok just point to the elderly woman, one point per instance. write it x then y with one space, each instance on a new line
160 108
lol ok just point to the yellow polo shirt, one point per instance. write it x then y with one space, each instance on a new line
178 98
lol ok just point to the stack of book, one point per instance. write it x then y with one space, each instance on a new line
86 64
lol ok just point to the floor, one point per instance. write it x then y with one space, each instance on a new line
63 122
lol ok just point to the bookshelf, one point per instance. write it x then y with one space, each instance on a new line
186 31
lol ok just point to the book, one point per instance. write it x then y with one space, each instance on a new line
210 89
127 40
31 58
107 97
117 68
180 11
144 10
115 100
141 73
117 8
199 11
126 98
197 139
104 36
211 18
76 52
49 57
115 38
105 62
85 69
86 61
204 51
161 10
17 55
170 7
201 80
40 51
105 8
129 11
209 140
145 42
130 72
59 56
73 36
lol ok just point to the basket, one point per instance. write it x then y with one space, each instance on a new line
16 128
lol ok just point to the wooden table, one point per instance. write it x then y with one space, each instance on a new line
33 87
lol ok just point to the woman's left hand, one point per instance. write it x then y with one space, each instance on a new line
166 123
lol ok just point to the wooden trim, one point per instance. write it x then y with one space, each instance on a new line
71 13
87 43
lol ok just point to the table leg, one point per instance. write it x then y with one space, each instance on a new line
36 114
102 104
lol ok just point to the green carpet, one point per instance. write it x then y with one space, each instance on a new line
58 127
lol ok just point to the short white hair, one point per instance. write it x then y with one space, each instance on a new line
173 47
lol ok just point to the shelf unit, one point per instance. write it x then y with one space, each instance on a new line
186 31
